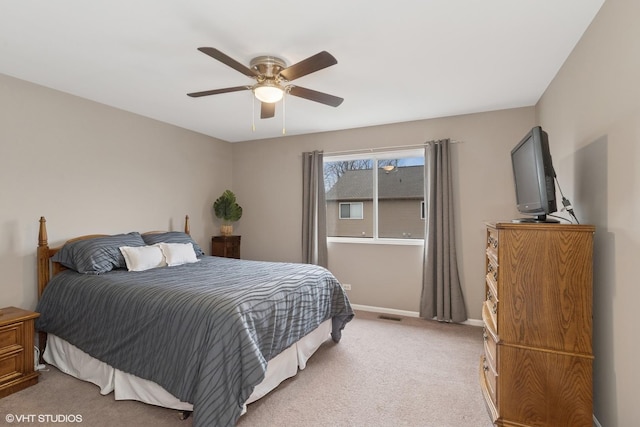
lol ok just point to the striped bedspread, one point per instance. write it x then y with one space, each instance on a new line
203 331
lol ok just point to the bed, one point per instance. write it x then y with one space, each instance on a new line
151 318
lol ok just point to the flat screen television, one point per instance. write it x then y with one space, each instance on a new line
534 177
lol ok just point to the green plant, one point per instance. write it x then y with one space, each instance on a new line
226 207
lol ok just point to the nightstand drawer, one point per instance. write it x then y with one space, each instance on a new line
10 338
225 246
16 350
11 366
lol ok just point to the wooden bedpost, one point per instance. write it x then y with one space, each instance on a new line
186 225
44 273
43 257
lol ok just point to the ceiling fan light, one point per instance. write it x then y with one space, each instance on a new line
268 92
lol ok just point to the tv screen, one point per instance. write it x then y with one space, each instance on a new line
534 177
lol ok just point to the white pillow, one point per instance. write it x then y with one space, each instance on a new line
141 258
178 253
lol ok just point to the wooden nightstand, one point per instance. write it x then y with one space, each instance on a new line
16 350
225 246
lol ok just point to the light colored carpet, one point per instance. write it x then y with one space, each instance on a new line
411 372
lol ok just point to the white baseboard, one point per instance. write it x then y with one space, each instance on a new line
596 423
473 322
406 313
385 310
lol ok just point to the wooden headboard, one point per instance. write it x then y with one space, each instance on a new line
47 268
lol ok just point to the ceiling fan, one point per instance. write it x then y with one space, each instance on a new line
272 76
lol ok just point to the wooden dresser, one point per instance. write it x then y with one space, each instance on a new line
16 350
225 246
537 365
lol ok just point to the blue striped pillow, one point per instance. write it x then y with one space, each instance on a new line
97 255
172 237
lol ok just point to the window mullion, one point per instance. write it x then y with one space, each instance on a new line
375 198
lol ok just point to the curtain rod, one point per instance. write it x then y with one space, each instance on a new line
395 147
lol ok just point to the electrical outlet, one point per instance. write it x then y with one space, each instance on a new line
346 286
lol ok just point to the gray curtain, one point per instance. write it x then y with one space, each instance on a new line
441 291
314 210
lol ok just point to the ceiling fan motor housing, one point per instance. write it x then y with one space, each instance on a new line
268 67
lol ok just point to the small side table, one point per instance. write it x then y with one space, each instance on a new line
225 246
16 350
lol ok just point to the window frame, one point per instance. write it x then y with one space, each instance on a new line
376 157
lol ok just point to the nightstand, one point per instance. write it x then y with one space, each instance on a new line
225 246
16 350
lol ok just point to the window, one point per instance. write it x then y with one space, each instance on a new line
375 196
351 210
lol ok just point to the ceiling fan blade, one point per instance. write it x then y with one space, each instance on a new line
312 95
227 60
307 66
217 91
267 110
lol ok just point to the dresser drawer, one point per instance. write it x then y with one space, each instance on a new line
490 349
10 337
492 243
489 326
492 275
490 380
490 311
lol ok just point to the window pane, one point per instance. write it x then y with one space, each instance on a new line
349 187
400 195
356 210
345 210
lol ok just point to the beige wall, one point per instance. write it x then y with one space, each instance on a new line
267 180
89 168
592 113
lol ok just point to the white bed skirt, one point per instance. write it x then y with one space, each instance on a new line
73 361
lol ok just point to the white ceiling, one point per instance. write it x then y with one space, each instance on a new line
397 61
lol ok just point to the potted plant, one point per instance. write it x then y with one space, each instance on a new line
228 210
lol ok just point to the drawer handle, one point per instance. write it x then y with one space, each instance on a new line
494 310
489 296
484 335
489 268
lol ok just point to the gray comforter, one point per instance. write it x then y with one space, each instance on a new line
203 331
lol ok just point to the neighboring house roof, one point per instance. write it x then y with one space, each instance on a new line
405 182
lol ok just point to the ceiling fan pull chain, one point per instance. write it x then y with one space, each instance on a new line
253 112
283 115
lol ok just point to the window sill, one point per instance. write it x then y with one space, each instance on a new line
371 241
